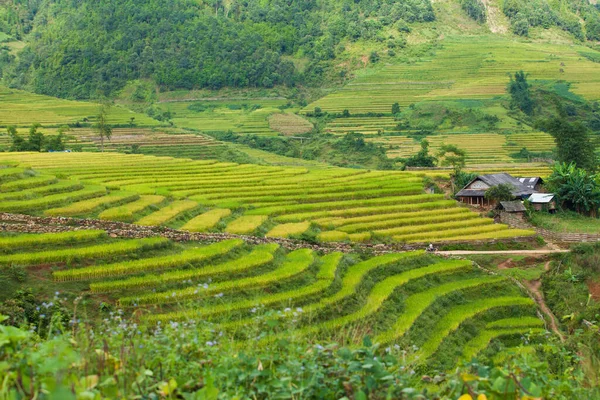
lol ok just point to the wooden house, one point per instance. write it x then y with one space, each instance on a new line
474 192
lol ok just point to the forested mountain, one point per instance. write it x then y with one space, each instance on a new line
88 48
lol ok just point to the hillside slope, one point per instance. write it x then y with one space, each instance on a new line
91 49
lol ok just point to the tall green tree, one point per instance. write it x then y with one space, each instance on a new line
576 188
422 158
518 87
101 126
36 138
451 155
573 143
501 192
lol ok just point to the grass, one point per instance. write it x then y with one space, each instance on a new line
256 258
52 200
10 243
354 205
325 277
459 314
239 287
356 273
125 213
245 224
566 222
21 108
296 262
66 255
416 304
167 213
88 206
288 230
383 290
148 264
472 68
482 340
206 221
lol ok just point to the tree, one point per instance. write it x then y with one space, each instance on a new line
520 26
395 108
573 144
18 143
575 188
422 158
518 87
101 126
56 142
501 192
36 139
475 9
450 155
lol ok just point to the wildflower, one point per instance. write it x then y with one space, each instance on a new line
299 309
287 310
319 347
210 344
253 310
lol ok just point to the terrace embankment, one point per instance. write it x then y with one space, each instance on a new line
31 224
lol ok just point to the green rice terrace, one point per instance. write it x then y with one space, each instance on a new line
471 68
450 309
331 204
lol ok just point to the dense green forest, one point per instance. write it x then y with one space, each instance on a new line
90 49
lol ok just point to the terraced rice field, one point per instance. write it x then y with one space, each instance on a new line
21 108
364 125
481 148
289 124
329 204
406 298
240 116
463 68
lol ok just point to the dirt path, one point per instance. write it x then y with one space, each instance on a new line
507 252
534 287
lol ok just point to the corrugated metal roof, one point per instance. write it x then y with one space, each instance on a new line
531 182
520 190
541 198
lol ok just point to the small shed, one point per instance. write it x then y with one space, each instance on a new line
543 201
513 207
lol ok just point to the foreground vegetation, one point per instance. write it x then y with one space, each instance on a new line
228 319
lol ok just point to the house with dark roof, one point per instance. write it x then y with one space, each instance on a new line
474 192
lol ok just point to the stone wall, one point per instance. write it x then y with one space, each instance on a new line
517 221
30 224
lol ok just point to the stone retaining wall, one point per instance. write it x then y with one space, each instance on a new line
30 224
516 221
